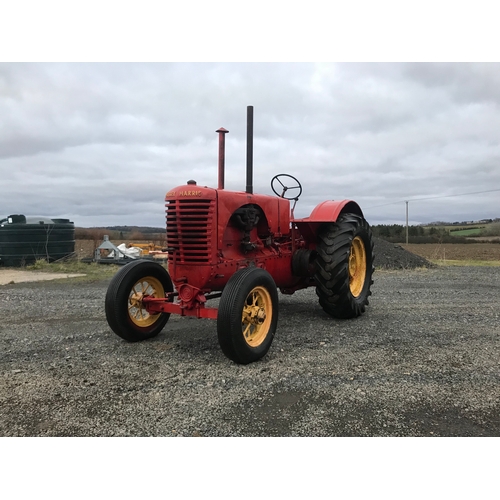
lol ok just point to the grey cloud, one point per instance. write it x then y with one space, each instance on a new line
104 142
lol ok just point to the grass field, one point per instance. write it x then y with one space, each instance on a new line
91 271
466 232
448 253
436 252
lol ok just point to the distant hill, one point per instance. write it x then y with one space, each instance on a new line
140 229
132 229
121 233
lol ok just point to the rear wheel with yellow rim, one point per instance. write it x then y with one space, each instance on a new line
248 315
344 266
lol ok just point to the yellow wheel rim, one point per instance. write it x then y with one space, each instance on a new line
145 287
257 316
357 266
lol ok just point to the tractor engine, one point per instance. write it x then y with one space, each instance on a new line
211 233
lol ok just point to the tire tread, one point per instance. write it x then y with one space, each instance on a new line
332 276
116 301
233 296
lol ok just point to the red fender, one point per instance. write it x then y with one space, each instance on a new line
327 211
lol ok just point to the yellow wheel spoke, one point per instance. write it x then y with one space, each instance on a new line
247 330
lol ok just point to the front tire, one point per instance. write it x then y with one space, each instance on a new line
125 312
344 266
248 315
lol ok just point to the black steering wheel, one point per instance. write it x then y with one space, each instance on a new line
276 180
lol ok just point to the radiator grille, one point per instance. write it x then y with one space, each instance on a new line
190 224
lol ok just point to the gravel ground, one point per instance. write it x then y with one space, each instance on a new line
422 361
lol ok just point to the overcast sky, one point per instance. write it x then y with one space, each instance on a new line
101 143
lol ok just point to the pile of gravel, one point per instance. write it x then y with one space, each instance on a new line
393 256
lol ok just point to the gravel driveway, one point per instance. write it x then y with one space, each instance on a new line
423 360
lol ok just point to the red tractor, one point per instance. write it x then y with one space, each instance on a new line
241 247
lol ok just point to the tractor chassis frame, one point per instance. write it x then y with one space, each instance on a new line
194 308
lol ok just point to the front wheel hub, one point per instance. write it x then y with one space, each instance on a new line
256 316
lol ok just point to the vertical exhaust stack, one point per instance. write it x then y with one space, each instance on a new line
222 155
249 188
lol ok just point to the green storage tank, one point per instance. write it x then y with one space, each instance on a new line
23 240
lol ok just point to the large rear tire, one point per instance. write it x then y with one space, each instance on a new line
125 311
344 266
248 315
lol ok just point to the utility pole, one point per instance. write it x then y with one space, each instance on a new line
406 222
